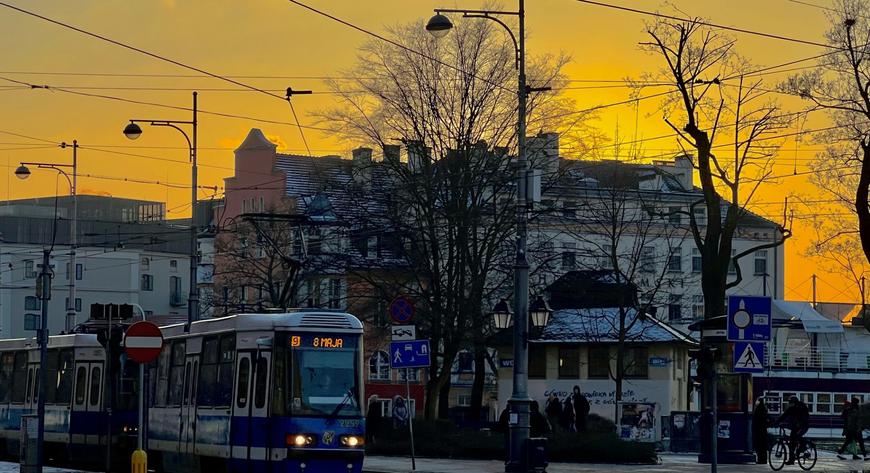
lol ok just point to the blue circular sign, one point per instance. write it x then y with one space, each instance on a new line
401 310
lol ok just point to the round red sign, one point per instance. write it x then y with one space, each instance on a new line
143 342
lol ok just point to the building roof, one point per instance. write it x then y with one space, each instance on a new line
601 325
785 312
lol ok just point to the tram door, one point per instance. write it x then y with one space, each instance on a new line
86 398
32 393
188 405
251 406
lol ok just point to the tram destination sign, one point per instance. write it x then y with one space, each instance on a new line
143 342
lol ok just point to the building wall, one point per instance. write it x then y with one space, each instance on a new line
106 277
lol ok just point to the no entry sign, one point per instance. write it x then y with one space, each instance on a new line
143 342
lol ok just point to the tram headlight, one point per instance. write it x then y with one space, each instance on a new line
300 440
351 441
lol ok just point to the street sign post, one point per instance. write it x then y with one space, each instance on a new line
749 318
749 357
403 332
142 343
409 354
402 310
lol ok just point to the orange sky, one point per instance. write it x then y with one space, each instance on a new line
277 38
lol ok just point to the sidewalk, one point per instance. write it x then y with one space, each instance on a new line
828 463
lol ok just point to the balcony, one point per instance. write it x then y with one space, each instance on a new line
818 359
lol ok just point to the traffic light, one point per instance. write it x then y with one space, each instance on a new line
705 357
111 312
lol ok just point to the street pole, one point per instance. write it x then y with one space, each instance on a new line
193 296
71 304
410 419
44 295
714 443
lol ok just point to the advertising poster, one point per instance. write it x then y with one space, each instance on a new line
637 421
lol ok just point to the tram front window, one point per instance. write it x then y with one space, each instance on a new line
325 377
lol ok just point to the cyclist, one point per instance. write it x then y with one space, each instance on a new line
796 418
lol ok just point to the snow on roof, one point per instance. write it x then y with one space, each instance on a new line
601 325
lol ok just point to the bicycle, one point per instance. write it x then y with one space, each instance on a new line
779 453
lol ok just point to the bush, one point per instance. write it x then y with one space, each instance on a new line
442 439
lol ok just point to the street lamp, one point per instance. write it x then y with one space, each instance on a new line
134 131
519 402
23 172
540 312
43 291
502 315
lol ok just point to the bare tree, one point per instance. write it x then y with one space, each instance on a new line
712 98
447 208
841 86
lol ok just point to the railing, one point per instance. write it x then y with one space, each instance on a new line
818 359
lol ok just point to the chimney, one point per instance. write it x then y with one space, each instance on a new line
416 154
391 154
542 152
362 156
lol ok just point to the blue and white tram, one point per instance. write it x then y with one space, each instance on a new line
76 420
256 393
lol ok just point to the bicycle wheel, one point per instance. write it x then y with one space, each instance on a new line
778 455
807 459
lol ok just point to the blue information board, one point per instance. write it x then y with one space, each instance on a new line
409 354
749 357
749 318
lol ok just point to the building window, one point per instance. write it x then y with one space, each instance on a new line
569 260
568 209
675 311
569 362
700 214
464 362
537 361
262 204
174 290
78 307
732 265
173 265
648 259
313 293
413 374
637 362
29 269
675 260
696 260
145 263
79 272
147 282
674 215
334 293
599 362
464 400
761 262
605 261
31 303
379 318
379 366
698 306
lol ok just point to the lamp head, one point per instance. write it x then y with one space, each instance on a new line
132 131
439 25
23 172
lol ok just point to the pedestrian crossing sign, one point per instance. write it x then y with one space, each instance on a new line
749 357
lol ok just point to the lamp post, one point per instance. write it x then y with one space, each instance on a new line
23 172
133 131
439 25
539 315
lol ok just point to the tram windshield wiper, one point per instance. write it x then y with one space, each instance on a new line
348 396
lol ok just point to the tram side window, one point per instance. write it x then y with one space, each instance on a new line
19 377
244 374
261 372
95 385
162 384
176 375
216 371
7 363
63 394
209 371
51 376
81 387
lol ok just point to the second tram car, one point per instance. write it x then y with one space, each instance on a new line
257 393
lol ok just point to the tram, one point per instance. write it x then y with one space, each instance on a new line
251 393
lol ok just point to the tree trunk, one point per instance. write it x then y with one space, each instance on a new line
861 206
444 399
479 383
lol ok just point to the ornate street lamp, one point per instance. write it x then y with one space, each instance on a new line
502 316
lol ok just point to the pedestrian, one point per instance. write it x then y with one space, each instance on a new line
581 409
760 421
400 413
553 411
852 430
566 420
374 419
538 424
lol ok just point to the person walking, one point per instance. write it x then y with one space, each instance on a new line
566 419
539 425
852 430
581 409
553 410
760 421
374 419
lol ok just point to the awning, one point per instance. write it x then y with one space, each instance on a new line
812 321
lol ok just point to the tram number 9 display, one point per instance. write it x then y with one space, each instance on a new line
297 341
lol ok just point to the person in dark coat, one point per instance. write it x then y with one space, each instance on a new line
374 420
852 430
538 423
796 418
553 411
581 409
566 420
760 421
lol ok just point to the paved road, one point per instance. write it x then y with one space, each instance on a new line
828 463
